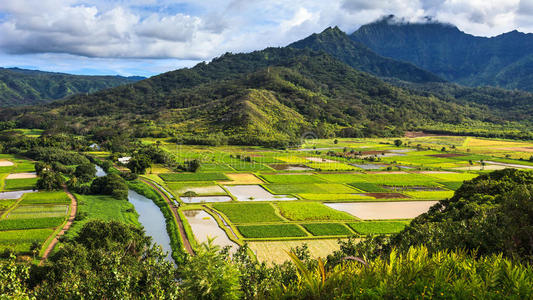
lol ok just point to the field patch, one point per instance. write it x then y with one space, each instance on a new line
21 240
291 178
19 184
333 166
320 229
271 231
204 227
205 188
430 195
241 178
244 166
248 212
276 251
314 188
333 197
45 198
6 163
453 176
384 210
38 211
32 223
21 175
379 227
368 187
172 177
254 193
307 211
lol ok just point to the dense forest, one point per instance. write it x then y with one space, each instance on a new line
28 87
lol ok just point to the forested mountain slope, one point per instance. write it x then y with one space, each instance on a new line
27 87
505 60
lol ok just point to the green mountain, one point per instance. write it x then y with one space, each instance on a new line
27 87
264 97
339 45
505 60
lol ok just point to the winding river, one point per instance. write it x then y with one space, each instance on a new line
150 217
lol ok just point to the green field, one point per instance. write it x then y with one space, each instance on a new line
38 211
31 223
21 240
248 212
271 231
430 195
378 227
319 229
334 197
292 179
103 208
313 188
45 198
19 184
368 187
193 176
307 211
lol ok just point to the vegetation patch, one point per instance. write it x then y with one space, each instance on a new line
319 229
430 195
325 197
271 231
316 188
291 179
331 166
20 184
45 198
368 187
243 166
452 185
454 177
193 176
381 227
32 223
307 211
248 212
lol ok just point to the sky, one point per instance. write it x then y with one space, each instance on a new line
148 37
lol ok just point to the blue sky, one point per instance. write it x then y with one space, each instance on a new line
148 37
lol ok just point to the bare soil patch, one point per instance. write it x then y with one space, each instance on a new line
5 163
21 175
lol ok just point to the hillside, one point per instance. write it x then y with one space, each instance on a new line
339 45
269 96
27 87
505 60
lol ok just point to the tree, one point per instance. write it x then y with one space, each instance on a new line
111 184
139 163
398 143
85 172
50 181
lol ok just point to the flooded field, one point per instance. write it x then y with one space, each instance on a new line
384 210
204 226
14 194
255 193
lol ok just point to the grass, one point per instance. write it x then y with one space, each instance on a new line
21 240
430 195
193 176
38 211
325 197
452 185
45 198
271 231
244 166
248 212
213 167
316 188
453 176
20 184
320 229
24 166
378 227
331 166
307 211
291 179
5 204
32 223
369 187
104 208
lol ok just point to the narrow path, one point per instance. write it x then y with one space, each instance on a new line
72 216
174 211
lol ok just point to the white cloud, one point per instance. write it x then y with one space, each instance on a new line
192 30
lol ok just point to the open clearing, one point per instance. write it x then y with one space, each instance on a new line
384 210
255 193
21 175
276 251
205 227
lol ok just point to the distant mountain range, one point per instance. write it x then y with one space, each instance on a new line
329 83
26 87
504 61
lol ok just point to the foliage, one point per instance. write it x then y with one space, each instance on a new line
85 172
111 184
139 163
13 277
50 181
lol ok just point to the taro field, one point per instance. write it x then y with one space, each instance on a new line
326 190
